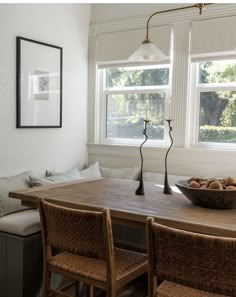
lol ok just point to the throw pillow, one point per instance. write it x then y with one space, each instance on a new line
8 184
40 181
121 173
56 178
91 171
158 178
71 174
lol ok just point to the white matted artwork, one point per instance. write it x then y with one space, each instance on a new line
39 84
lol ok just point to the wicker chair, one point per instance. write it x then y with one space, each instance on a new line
186 264
87 252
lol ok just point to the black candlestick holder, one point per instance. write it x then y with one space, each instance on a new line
167 188
140 189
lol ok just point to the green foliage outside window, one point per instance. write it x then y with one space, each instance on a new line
121 77
217 134
126 111
217 108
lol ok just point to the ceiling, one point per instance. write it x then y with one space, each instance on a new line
107 12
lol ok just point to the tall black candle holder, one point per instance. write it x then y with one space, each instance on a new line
167 188
140 189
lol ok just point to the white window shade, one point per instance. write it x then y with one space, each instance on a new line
116 47
214 38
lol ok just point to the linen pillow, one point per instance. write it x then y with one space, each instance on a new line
158 178
71 174
121 173
91 171
8 184
36 181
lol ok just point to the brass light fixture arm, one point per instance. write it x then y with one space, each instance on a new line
200 6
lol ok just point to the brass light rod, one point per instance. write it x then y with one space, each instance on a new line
200 6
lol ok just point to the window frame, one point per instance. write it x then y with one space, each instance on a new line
196 89
104 92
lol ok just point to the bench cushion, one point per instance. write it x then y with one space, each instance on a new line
22 223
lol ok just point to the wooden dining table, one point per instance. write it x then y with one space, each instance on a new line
126 207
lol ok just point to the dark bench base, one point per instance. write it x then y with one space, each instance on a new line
130 237
20 265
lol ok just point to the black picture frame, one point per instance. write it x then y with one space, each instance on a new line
38 84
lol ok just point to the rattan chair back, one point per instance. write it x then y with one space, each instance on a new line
196 260
75 231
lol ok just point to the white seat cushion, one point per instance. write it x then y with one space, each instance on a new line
21 223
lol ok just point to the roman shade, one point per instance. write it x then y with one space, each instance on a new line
115 48
214 39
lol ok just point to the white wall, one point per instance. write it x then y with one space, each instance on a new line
65 25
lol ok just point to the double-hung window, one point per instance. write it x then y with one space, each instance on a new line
129 95
215 102
213 59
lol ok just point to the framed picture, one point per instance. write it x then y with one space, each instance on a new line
38 84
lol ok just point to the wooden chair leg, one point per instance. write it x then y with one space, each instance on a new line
91 291
152 285
46 283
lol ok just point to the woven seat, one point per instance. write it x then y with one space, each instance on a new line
87 254
202 265
170 289
125 263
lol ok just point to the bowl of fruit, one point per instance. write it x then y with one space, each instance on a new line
218 193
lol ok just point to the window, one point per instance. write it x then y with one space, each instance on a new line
130 94
216 102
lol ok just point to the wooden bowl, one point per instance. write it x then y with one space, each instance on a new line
218 199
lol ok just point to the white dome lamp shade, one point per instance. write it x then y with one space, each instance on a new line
148 51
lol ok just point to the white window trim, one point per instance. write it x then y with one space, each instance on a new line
131 90
196 89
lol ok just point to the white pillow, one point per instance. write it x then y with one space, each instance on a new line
71 174
56 178
158 178
121 173
91 171
9 184
36 181
74 173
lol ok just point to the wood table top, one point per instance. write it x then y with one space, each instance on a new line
119 196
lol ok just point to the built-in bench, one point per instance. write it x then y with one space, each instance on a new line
20 254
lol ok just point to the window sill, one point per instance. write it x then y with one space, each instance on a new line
181 161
